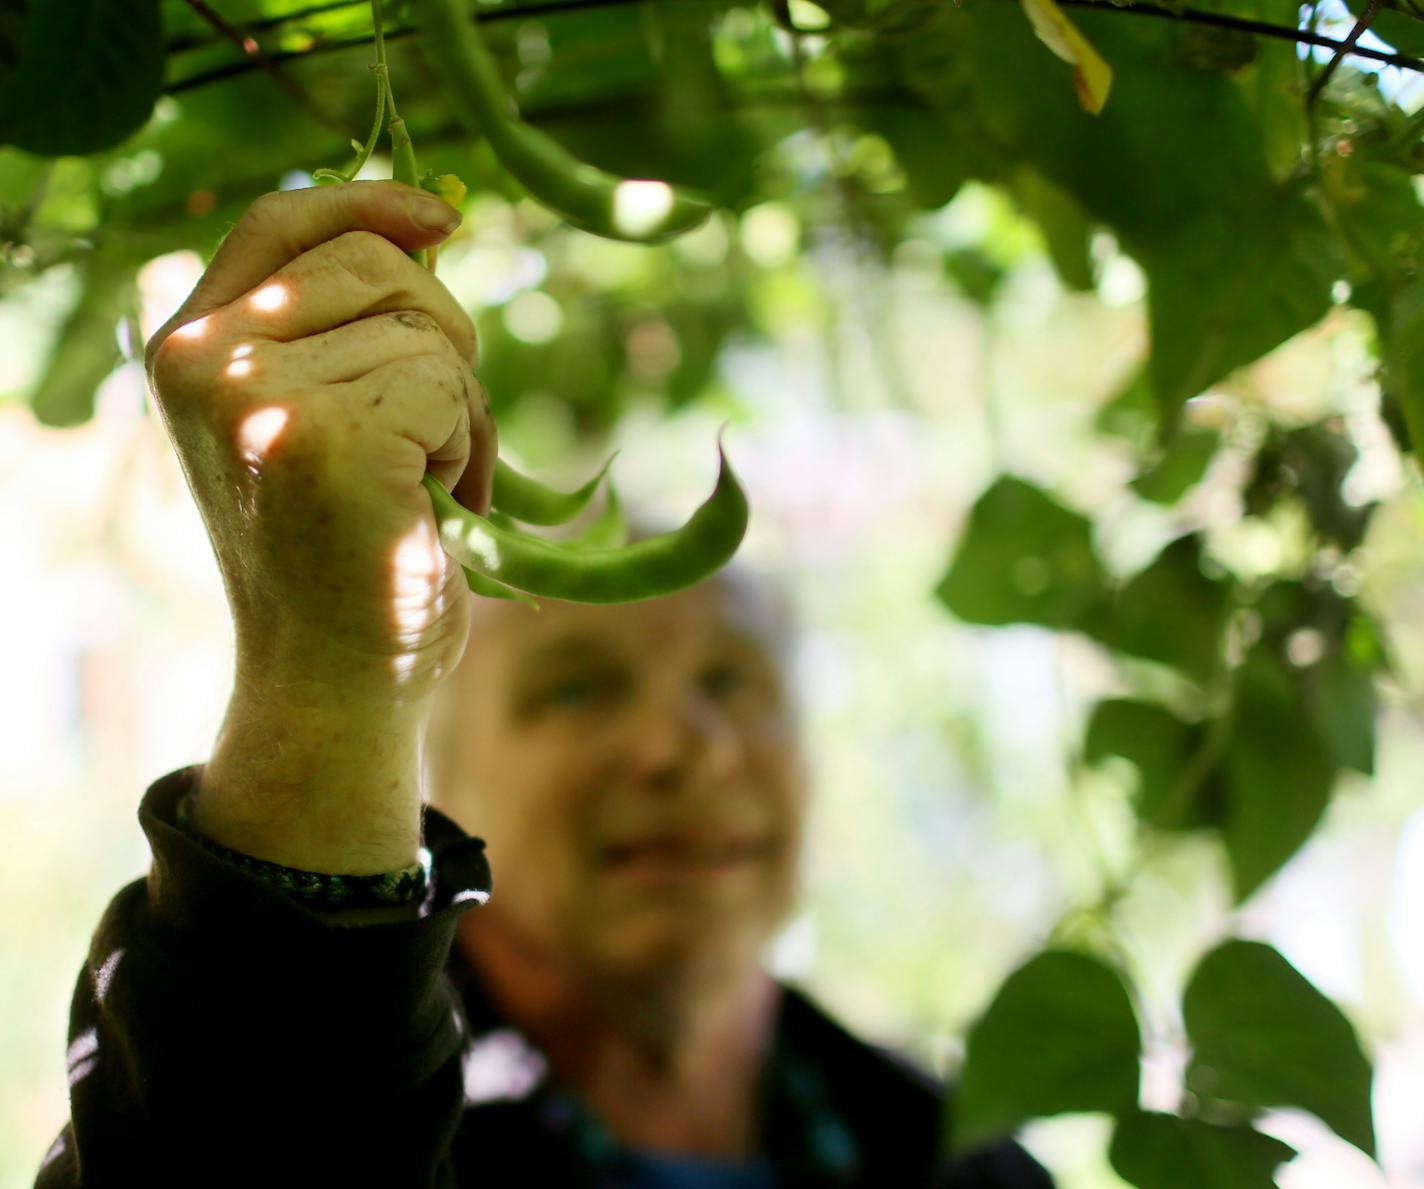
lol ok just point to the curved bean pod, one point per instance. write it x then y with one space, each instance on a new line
646 569
526 499
589 198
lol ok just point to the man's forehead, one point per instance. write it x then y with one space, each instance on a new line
731 605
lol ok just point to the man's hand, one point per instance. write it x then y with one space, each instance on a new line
308 383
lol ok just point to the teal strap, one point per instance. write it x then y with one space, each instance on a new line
317 887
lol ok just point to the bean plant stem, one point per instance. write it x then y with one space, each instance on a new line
516 12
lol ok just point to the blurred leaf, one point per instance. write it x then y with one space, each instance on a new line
1179 467
1335 676
1344 705
1178 784
1236 262
1131 412
1378 201
1067 230
974 274
1023 559
1059 1036
1311 461
86 349
1154 1151
12 35
1401 331
1092 76
1226 288
1171 612
88 75
1404 32
1279 771
1263 1036
934 171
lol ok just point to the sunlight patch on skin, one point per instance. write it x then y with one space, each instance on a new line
194 329
257 433
640 206
164 283
271 297
417 581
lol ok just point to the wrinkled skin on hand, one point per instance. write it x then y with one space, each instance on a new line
308 383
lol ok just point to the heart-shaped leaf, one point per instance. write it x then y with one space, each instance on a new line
1262 1035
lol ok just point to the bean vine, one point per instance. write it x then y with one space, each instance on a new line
499 559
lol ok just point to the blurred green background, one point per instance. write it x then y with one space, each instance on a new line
890 324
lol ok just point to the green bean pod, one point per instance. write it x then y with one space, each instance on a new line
403 167
608 530
490 589
618 208
526 499
646 569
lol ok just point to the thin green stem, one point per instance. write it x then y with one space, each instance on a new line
364 153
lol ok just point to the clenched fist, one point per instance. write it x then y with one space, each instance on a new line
311 379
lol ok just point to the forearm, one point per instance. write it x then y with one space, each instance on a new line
314 782
221 1025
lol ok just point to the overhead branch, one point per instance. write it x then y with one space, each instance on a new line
1342 47
255 54
1366 18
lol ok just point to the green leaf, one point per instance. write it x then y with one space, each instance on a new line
1179 467
1023 559
1401 330
1066 228
1131 412
1310 462
1344 706
1237 262
1263 1036
89 74
1226 287
1154 1151
1405 33
1336 689
85 351
975 274
1376 197
1171 613
1278 769
1059 1036
1178 785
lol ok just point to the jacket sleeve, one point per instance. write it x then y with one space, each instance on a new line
223 1033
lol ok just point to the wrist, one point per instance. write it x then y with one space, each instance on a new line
298 780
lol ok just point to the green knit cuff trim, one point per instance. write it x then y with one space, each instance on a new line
316 887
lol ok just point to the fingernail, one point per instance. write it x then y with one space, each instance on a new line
434 215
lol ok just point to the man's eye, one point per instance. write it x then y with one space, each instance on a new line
578 691
723 680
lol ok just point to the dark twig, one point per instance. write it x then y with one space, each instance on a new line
254 52
1262 28
1366 18
1192 16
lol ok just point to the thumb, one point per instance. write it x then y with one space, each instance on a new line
279 226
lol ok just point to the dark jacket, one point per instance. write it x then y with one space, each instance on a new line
223 1034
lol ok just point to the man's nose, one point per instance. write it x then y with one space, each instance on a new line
682 738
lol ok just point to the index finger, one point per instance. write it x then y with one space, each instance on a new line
280 226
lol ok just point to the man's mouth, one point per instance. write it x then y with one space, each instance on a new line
672 855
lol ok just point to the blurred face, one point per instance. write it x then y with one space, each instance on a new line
635 772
